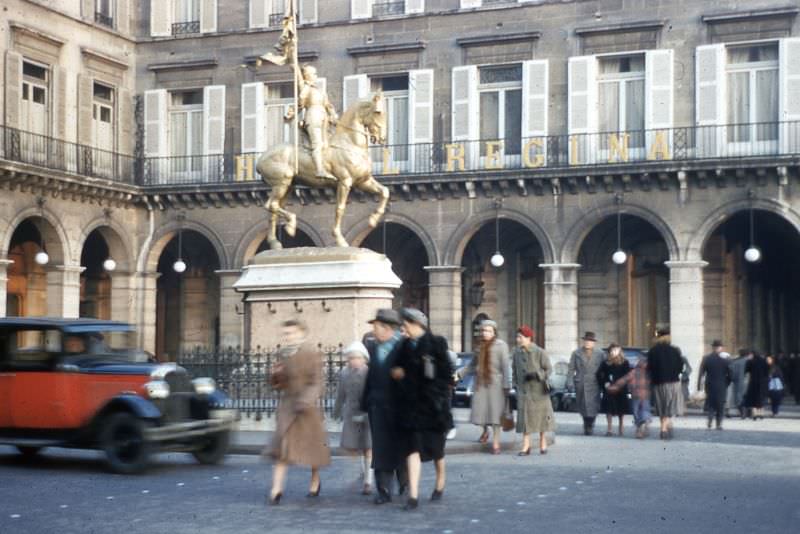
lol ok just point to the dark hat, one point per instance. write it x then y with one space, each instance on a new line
387 316
589 336
526 331
716 343
662 332
413 315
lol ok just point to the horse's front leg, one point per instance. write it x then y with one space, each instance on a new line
342 192
373 187
274 206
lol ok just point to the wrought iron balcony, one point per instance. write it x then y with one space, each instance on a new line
55 154
184 170
184 28
276 19
105 20
391 7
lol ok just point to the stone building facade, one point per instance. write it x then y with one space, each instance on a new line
552 132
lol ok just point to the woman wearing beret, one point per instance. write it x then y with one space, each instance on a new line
422 376
534 408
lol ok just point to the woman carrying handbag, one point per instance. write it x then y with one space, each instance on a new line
531 373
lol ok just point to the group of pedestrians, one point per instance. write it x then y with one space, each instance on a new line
393 400
604 380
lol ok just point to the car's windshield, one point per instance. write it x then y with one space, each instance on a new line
116 345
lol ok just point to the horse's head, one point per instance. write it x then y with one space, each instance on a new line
373 117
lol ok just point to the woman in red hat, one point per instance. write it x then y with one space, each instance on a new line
534 409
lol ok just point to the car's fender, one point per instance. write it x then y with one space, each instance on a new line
126 402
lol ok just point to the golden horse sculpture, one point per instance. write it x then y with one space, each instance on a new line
346 157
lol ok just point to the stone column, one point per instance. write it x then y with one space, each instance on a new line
231 321
64 291
560 309
4 264
122 297
686 314
444 295
146 289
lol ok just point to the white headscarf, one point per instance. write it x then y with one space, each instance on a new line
356 348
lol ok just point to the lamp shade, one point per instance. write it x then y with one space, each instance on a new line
41 258
619 257
497 260
109 264
179 266
752 254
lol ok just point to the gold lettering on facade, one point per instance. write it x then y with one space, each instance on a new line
494 156
538 159
617 150
455 152
573 150
387 162
660 148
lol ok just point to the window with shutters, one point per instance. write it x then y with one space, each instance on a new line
277 12
35 98
103 117
621 98
104 12
186 130
278 98
752 90
500 107
395 94
382 8
185 16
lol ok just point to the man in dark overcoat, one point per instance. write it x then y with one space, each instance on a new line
714 369
388 459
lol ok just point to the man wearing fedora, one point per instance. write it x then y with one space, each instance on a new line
388 459
583 366
714 368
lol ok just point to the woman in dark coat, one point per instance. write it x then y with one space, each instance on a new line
616 403
756 392
423 375
775 385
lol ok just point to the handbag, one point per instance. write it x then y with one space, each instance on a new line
775 384
507 418
548 387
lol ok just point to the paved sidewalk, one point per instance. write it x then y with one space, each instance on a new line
692 425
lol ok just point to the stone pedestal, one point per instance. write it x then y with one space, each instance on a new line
686 311
560 309
230 309
335 291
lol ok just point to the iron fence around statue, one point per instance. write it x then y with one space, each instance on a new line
245 376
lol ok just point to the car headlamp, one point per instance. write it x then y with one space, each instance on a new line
204 386
157 389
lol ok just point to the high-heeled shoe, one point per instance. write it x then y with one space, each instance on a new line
495 450
484 437
274 501
315 493
542 451
526 452
411 504
437 494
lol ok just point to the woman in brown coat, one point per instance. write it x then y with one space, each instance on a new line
300 437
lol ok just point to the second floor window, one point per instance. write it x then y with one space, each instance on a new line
186 128
185 16
103 117
621 96
278 98
35 99
104 12
395 94
500 101
752 90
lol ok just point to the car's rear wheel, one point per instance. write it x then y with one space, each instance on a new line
214 448
28 452
123 440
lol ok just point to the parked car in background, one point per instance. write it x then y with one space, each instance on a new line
82 383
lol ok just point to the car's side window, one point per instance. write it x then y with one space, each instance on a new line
31 349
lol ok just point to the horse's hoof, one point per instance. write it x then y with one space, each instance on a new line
374 219
291 226
274 244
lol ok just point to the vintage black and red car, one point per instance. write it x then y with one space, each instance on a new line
81 383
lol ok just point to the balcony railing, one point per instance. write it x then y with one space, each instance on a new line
533 154
105 20
391 7
275 20
44 151
184 28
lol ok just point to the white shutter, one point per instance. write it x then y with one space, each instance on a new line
582 117
58 107
259 13
360 9
122 16
658 98
253 118
155 123
466 4
214 119
415 6
85 97
308 11
789 91
13 89
208 16
355 88
125 122
465 103
710 99
420 106
160 18
535 92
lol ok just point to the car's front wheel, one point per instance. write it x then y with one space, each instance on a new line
123 440
213 448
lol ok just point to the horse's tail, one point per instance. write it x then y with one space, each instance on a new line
276 165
